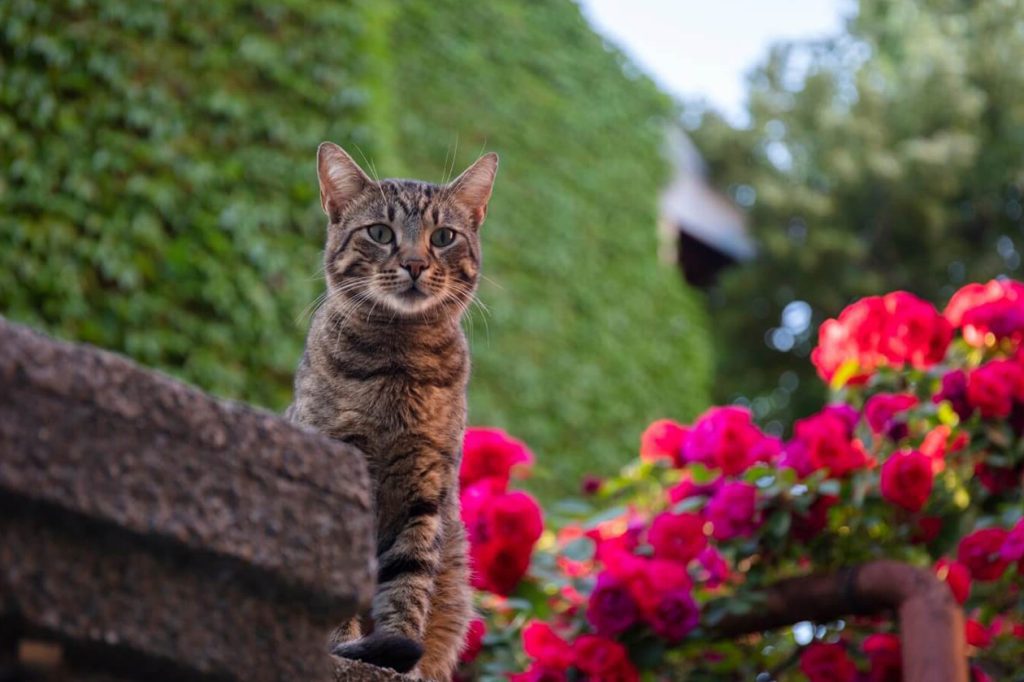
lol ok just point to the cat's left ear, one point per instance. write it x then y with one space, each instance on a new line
472 189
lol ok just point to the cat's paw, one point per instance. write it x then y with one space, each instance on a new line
384 650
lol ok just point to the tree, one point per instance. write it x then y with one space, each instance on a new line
888 157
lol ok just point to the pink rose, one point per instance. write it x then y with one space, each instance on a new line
1013 545
881 411
724 438
491 453
825 440
733 511
995 308
714 570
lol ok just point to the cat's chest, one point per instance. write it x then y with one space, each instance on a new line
386 389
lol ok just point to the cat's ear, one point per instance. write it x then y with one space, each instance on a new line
341 179
472 189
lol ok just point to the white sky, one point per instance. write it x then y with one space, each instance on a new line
704 48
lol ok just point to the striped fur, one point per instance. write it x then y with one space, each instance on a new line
385 368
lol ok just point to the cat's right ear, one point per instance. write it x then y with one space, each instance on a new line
341 179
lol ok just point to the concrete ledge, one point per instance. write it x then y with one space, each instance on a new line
161 533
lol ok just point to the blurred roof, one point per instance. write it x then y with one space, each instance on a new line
690 206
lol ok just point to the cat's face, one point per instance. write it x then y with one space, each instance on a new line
402 249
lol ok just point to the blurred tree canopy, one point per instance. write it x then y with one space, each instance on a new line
889 157
158 195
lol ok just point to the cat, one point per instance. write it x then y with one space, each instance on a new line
385 368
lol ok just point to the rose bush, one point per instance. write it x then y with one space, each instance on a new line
918 457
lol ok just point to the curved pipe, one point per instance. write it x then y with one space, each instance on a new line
931 622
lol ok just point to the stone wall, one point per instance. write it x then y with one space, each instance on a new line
151 532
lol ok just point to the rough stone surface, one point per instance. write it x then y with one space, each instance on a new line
353 671
163 534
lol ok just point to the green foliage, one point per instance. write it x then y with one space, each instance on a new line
157 191
588 337
889 158
158 198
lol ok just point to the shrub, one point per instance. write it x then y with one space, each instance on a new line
906 462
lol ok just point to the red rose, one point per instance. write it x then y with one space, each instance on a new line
881 411
907 479
956 575
498 567
851 343
733 511
502 529
541 642
677 536
988 312
724 438
914 332
663 439
649 579
474 641
491 453
994 387
611 609
977 634
604 659
515 517
979 552
886 658
997 480
927 528
895 329
609 544
827 663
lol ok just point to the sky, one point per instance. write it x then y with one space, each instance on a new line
704 48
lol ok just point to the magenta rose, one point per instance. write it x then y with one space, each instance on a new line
611 609
733 511
677 536
674 615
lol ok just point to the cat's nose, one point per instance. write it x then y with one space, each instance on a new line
415 266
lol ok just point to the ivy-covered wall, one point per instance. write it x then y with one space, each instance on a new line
158 195
589 337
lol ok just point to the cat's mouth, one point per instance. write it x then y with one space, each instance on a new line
413 293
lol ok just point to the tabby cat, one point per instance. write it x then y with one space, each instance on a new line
385 369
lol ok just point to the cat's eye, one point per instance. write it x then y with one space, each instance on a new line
442 237
382 234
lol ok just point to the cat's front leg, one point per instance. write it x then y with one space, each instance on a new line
411 493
